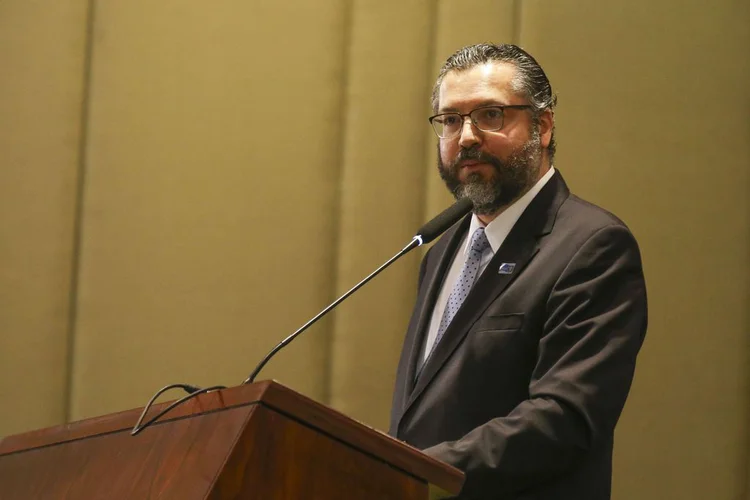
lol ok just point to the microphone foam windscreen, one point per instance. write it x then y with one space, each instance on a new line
444 220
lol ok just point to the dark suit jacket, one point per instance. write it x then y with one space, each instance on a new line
525 388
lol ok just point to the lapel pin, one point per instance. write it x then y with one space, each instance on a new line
506 268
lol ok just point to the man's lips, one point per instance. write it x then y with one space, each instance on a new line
472 164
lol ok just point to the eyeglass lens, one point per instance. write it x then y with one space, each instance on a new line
486 119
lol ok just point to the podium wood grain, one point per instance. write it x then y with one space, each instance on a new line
260 441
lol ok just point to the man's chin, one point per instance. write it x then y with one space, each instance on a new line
478 186
478 192
484 174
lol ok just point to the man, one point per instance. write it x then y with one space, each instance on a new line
530 312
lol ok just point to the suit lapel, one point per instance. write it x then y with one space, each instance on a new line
518 248
444 250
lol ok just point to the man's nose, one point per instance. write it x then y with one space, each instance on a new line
469 134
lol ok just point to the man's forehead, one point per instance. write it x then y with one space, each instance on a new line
488 81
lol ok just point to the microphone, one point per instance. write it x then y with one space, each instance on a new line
426 234
444 220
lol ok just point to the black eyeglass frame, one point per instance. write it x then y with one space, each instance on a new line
501 107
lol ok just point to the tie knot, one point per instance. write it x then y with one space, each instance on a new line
479 242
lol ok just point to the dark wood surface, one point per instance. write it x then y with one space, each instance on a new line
230 439
235 396
180 460
297 462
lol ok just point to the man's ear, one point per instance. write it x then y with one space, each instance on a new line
546 124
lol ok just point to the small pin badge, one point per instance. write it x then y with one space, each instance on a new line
506 268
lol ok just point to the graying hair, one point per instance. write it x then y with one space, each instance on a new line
530 80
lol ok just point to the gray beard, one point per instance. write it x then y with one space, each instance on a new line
510 180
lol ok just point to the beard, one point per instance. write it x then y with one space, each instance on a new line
509 180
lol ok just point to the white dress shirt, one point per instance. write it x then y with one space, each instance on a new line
496 232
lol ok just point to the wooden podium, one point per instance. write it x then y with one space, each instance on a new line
259 441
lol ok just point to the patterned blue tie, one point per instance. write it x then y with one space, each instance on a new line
466 279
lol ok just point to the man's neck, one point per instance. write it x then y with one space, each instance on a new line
487 218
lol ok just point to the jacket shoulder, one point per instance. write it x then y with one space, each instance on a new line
579 213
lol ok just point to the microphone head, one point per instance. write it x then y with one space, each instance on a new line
444 220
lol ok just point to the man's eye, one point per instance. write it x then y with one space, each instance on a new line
492 114
450 120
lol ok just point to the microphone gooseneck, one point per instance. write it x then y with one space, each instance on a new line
434 228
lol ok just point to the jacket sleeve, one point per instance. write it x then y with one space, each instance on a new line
594 326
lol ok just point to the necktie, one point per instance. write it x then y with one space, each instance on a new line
466 279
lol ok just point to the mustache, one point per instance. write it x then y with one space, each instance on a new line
474 154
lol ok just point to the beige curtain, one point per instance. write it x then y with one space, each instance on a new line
183 184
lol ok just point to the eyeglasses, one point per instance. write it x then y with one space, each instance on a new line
486 119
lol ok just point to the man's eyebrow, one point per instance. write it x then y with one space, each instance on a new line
481 104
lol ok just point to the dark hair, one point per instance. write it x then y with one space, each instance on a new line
530 79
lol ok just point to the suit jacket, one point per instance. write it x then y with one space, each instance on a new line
524 390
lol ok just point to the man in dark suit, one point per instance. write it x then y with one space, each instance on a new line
530 312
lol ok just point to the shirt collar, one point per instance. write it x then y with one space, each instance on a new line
500 227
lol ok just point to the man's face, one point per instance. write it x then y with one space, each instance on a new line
493 169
